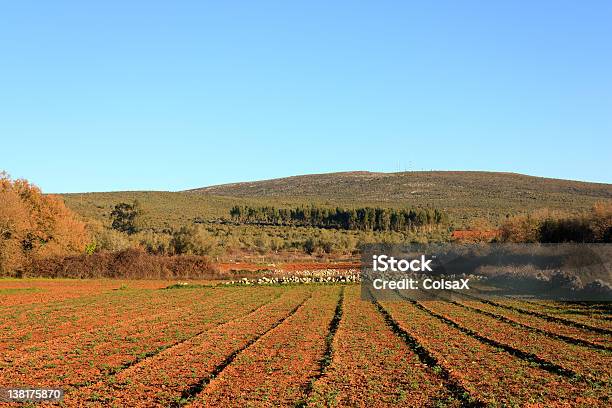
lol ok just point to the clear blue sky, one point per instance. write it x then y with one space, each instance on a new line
169 95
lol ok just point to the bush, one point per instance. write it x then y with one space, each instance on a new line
542 226
563 230
262 243
33 225
601 221
521 228
310 246
154 243
131 263
110 240
192 240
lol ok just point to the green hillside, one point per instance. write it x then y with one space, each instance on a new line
464 195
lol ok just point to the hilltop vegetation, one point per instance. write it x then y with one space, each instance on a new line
453 190
464 196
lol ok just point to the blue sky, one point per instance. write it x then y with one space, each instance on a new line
139 95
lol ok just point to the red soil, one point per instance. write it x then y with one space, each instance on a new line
475 235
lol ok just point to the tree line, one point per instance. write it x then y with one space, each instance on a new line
366 218
546 227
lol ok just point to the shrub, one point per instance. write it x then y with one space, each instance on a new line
131 263
110 240
154 243
601 221
543 226
262 243
310 246
562 230
521 228
33 225
192 240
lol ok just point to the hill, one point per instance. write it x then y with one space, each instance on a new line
430 185
461 193
464 195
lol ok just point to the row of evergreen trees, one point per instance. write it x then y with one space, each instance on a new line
367 218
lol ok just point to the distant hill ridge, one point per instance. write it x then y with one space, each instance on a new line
369 186
462 194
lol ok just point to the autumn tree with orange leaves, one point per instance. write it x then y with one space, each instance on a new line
550 227
34 226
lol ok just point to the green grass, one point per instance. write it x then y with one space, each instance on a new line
13 291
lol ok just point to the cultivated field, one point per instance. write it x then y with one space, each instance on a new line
134 343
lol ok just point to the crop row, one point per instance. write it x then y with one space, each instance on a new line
175 375
88 298
70 303
490 375
372 366
89 356
279 367
594 309
596 321
583 361
553 328
31 294
122 306
583 322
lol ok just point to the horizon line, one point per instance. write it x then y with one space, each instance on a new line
193 189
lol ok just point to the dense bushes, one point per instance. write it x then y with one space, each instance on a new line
155 243
366 219
232 240
127 264
192 240
34 226
265 239
109 240
188 240
543 226
219 240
